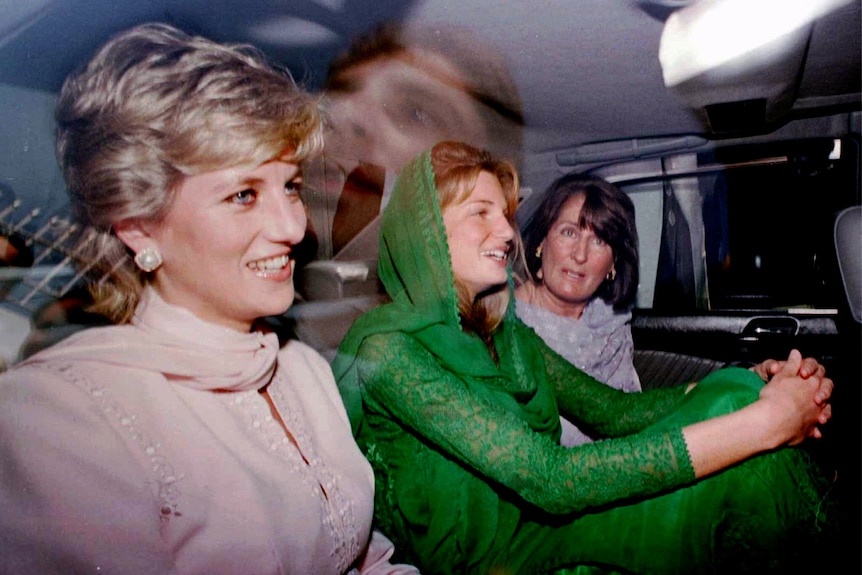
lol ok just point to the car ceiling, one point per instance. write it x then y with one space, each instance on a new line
587 70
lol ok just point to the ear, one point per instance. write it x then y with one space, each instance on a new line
134 233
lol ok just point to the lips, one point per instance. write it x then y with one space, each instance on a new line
270 267
574 275
498 255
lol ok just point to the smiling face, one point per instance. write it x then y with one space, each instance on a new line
227 243
575 262
479 232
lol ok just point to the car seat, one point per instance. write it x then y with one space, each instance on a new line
848 249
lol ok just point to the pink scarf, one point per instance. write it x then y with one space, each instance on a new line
172 341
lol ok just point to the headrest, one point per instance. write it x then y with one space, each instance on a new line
848 248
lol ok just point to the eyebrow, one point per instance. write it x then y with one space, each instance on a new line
232 185
482 201
251 181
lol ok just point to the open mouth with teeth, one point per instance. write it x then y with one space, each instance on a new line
271 266
498 255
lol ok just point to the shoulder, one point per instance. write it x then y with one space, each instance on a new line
56 404
388 345
59 369
599 314
382 355
73 381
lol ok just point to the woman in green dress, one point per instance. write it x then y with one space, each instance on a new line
455 402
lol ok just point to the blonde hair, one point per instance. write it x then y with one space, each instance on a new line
153 106
456 169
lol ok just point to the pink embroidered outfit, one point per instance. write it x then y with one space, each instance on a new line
148 448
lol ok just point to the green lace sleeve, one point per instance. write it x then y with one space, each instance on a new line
402 382
607 411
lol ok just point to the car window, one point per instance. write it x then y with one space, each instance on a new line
742 227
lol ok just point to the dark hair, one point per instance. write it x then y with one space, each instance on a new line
609 213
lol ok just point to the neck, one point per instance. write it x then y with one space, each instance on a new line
538 295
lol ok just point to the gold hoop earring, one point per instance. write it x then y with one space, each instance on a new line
539 252
612 275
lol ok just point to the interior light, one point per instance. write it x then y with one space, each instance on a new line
710 33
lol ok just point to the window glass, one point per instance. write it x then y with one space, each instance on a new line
746 227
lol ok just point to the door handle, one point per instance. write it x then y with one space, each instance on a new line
770 326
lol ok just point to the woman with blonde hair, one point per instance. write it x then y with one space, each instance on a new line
186 438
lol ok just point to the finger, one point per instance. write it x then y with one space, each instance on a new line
824 392
793 363
773 366
826 414
811 366
816 433
762 371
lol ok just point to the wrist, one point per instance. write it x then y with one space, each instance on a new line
766 430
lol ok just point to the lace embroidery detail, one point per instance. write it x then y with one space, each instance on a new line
164 482
404 383
433 235
337 510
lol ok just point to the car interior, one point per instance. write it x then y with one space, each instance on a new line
734 126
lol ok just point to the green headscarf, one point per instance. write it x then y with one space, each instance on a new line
415 268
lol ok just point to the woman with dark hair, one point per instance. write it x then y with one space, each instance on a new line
456 404
581 279
581 255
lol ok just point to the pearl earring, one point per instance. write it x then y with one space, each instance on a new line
148 259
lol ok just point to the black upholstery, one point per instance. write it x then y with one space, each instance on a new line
665 369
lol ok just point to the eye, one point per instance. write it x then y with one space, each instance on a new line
598 241
244 198
479 210
293 188
419 116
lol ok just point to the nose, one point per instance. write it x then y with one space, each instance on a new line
580 249
286 220
356 136
369 136
504 229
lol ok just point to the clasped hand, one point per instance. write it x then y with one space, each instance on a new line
798 394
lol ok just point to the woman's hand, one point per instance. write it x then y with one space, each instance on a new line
767 369
797 397
789 411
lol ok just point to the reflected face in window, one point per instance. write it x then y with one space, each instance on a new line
389 110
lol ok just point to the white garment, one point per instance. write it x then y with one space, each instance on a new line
148 448
599 343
